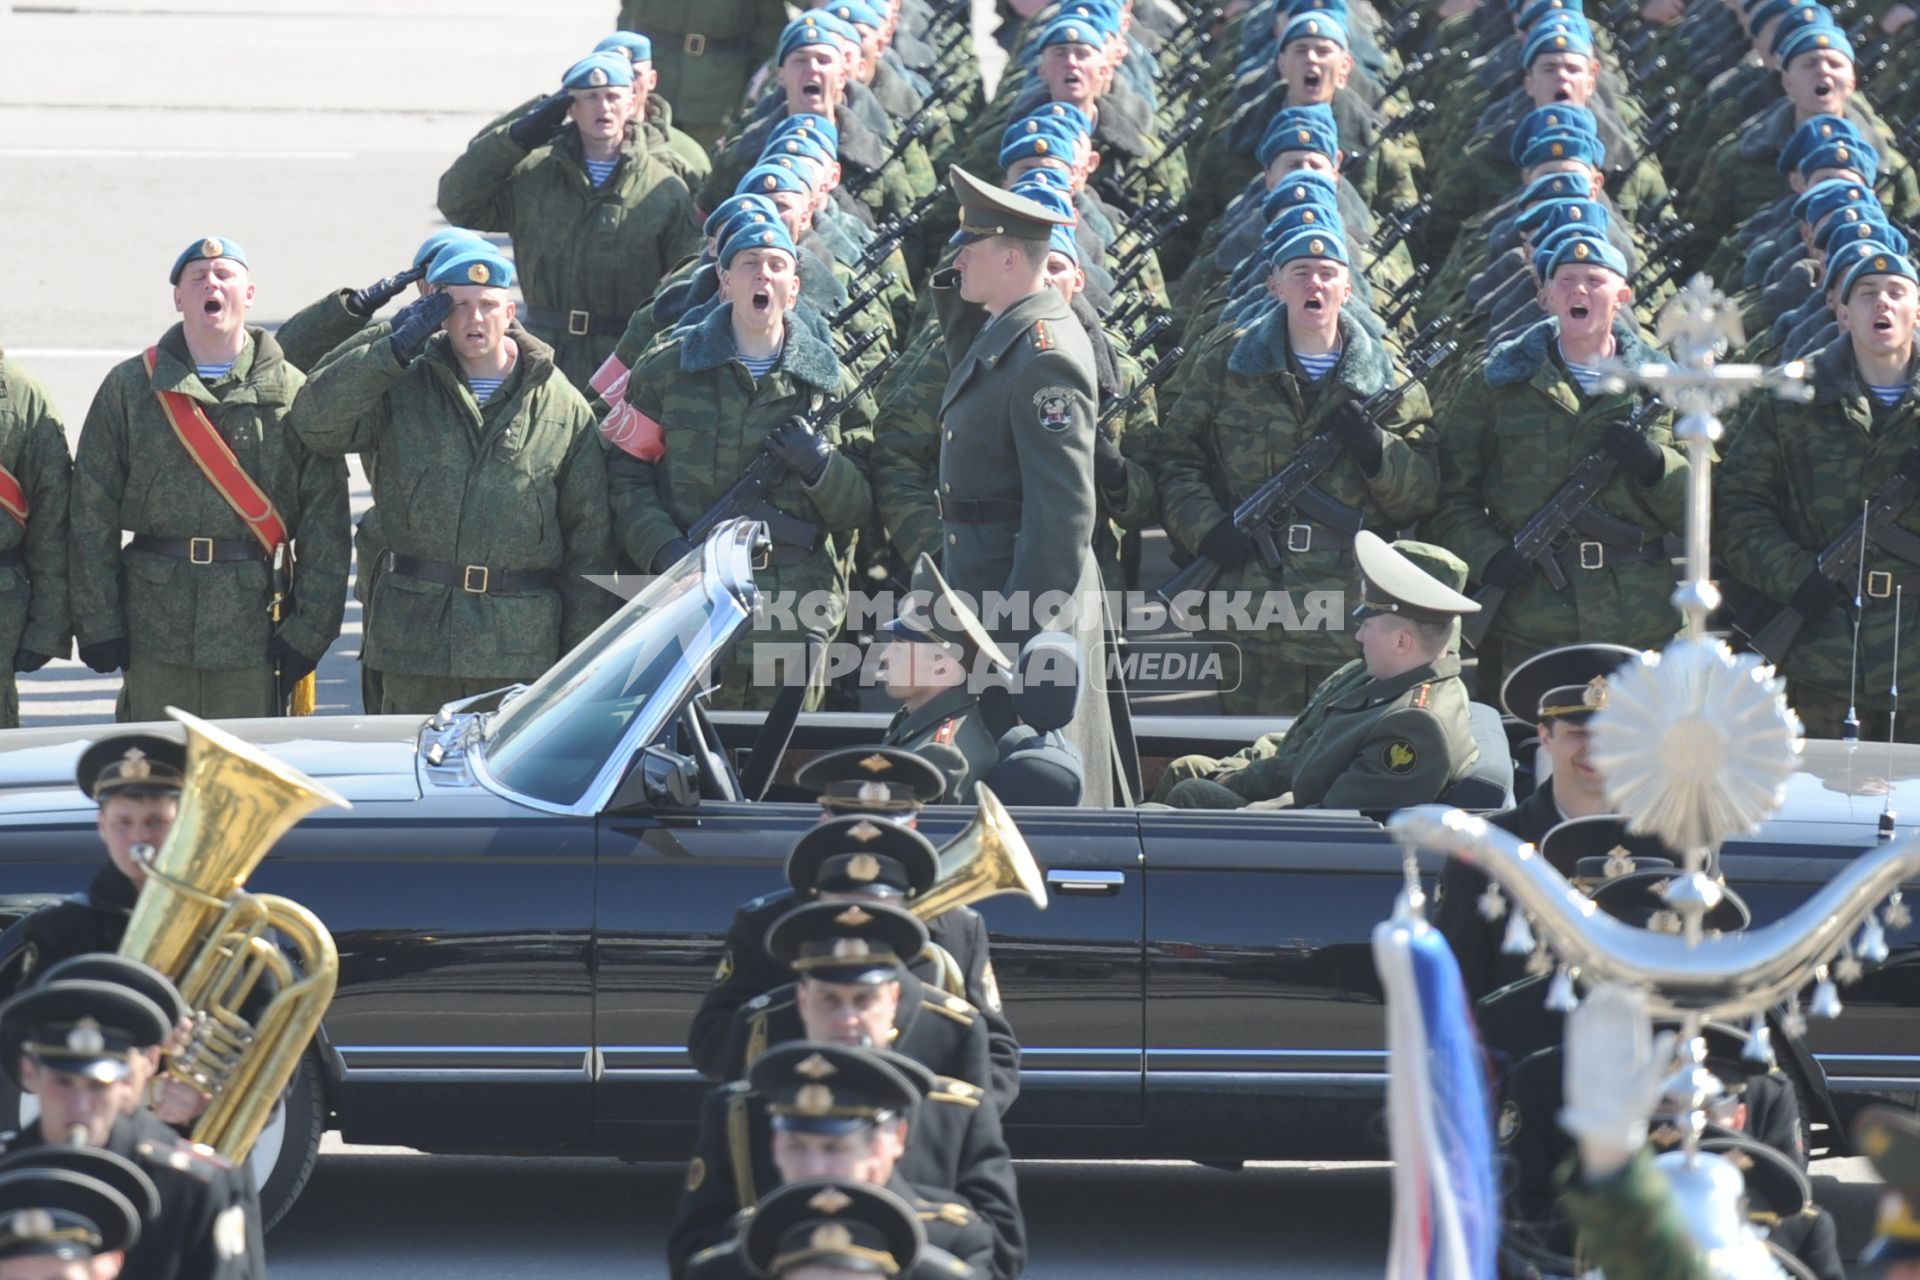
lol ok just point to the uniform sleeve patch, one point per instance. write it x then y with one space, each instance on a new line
724 969
696 1173
1056 407
1509 1127
1399 756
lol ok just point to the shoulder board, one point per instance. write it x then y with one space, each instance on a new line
709 1253
759 1002
947 730
952 1007
1420 695
943 1211
196 1158
957 1092
1042 339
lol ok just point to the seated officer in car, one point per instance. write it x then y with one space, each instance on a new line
1403 736
814 1110
867 786
853 985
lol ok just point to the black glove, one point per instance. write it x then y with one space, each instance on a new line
1358 434
418 321
671 554
1818 595
1109 467
30 659
106 657
537 126
801 448
1226 546
294 665
1639 455
364 302
1508 570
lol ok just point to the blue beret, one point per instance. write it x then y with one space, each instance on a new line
1104 17
1841 232
636 46
1302 217
1564 144
1314 26
1828 196
765 179
1586 250
1061 240
209 247
599 71
783 151
1551 215
1071 31
806 124
1556 38
858 12
1302 186
1870 258
439 240
1555 186
1809 134
1051 178
741 219
1048 196
1048 139
1310 128
482 264
758 235
1861 157
1332 8
1064 112
726 209
1556 117
1533 11
807 30
1811 39
1309 244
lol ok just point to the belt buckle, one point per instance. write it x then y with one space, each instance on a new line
1879 584
1299 538
467 579
693 44
1593 555
579 323
200 550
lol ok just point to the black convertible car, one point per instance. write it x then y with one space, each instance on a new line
529 901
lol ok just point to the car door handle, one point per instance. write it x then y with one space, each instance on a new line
1064 880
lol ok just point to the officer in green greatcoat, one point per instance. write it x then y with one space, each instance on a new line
186 606
596 218
490 482
35 626
1402 737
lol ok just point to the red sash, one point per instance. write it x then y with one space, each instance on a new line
216 461
13 499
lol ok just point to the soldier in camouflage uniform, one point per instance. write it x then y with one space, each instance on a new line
1795 477
709 400
185 607
35 627
1252 400
705 51
1515 430
596 219
490 482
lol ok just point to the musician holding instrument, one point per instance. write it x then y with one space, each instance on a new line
72 1043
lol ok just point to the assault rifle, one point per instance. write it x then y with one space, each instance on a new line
858 299
1136 259
1394 128
1121 406
894 230
915 127
1840 561
1409 297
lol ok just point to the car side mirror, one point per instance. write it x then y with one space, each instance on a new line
668 778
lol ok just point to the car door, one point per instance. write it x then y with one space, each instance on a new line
668 886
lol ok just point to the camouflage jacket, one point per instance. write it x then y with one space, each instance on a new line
1795 477
598 250
132 473
306 336
705 50
679 151
516 484
900 180
33 593
1508 440
1630 1226
1245 412
714 418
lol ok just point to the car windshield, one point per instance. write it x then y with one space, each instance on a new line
553 741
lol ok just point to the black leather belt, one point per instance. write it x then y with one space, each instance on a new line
695 45
199 550
575 324
1588 555
475 579
13 556
977 510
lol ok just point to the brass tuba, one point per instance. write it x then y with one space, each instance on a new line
987 859
195 923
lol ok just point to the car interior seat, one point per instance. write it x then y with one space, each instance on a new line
1489 785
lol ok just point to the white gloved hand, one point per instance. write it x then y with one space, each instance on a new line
1615 1068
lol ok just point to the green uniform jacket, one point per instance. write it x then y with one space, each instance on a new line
599 250
519 484
1246 411
1507 442
1629 1226
704 51
306 336
952 719
1795 477
715 418
674 148
132 473
33 447
1389 743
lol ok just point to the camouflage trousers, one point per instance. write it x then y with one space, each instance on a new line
406 695
151 686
